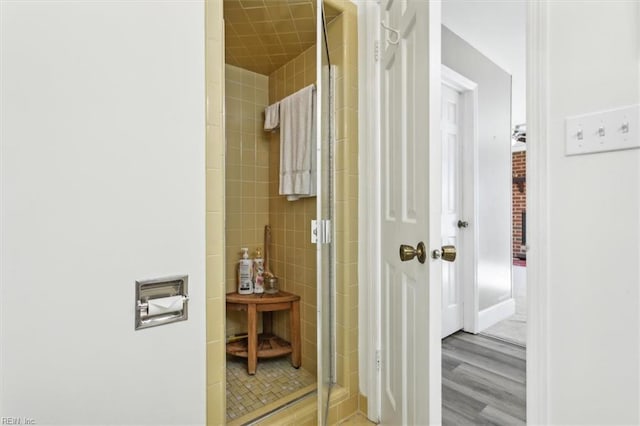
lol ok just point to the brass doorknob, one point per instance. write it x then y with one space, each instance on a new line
448 253
408 252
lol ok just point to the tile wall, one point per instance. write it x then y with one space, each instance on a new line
246 175
215 159
293 257
343 49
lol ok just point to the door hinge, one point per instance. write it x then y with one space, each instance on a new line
321 231
378 360
376 50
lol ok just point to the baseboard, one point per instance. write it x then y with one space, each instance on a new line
496 313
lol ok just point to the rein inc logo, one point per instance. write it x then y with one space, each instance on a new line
17 421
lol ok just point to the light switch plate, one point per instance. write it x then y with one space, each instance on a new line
603 131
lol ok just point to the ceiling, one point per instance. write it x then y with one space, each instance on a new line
263 35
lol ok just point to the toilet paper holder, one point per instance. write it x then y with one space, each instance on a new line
161 301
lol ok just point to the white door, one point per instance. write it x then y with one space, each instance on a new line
410 340
452 298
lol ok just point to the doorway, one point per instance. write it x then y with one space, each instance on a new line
481 373
485 373
390 23
296 262
452 217
272 331
459 135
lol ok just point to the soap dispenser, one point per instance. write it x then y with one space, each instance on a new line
245 272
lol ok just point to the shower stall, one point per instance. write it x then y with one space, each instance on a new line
274 51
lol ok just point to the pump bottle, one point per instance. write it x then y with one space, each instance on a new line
245 272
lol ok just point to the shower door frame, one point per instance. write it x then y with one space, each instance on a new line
325 275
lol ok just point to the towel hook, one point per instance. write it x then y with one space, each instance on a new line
393 31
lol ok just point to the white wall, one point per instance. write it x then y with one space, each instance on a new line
102 181
494 166
497 28
594 208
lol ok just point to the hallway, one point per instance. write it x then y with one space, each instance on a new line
483 381
514 328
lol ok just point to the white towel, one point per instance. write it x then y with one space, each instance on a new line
298 144
272 117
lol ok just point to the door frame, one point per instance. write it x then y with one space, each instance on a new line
369 207
537 215
469 160
538 246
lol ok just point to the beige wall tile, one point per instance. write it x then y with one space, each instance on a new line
288 219
214 282
247 201
215 362
348 407
215 153
363 404
216 404
343 50
333 417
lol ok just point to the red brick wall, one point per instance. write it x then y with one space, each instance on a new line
519 196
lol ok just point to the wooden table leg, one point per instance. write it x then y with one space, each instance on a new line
252 350
294 316
267 322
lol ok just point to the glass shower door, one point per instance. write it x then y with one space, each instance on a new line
324 222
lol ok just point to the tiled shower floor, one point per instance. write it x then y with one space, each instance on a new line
275 379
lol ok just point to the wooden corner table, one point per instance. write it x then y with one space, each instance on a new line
267 345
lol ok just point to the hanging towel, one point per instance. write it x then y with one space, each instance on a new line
272 117
298 144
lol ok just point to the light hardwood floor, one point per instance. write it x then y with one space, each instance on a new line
483 381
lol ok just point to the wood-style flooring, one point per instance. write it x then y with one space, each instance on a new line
483 381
